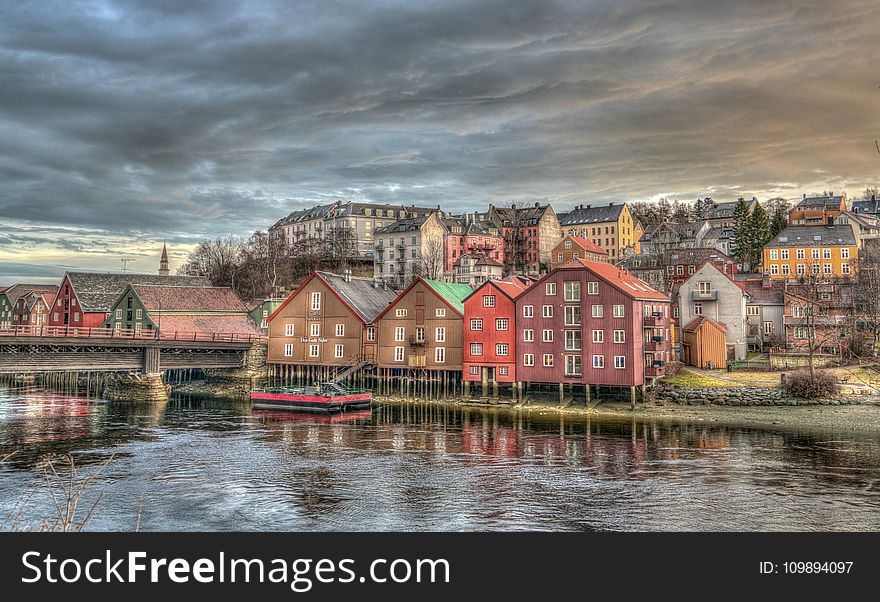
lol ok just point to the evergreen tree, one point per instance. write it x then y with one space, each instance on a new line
779 222
759 235
739 244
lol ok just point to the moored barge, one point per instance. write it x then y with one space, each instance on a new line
327 397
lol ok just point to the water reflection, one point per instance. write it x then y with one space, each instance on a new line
217 465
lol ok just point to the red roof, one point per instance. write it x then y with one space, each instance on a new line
513 286
586 244
189 298
697 322
207 323
618 278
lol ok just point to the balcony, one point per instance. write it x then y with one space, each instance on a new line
417 361
401 248
654 345
655 370
813 321
417 342
704 295
654 320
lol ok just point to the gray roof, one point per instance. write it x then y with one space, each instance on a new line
587 214
719 233
725 210
366 296
697 256
812 236
99 291
866 206
408 224
340 209
820 202
523 216
17 291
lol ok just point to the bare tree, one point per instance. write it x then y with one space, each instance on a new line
815 307
866 294
218 260
431 259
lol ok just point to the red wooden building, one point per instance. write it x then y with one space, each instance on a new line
591 323
84 298
490 332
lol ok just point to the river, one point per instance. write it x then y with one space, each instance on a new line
216 465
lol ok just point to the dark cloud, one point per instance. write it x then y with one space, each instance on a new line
143 120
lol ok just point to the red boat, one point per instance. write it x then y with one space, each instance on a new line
328 397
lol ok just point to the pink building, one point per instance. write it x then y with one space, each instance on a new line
590 323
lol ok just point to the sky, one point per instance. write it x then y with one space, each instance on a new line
126 123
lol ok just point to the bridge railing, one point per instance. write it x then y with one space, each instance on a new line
127 333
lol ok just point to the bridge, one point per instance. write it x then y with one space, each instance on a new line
37 349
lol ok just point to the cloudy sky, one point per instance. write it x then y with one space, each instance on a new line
123 123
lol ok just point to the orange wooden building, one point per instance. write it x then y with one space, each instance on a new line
704 343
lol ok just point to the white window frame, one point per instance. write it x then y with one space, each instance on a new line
598 311
476 324
598 361
501 324
315 329
528 335
340 330
288 350
289 330
502 349
528 359
339 351
619 362
315 304
550 289
439 355
548 360
314 350
620 336
440 334
398 354
399 334
528 311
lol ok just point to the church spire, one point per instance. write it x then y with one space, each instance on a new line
163 262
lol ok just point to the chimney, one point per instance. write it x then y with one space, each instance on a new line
589 206
537 204
805 195
611 204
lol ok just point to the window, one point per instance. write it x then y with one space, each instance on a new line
550 288
801 268
752 310
826 253
803 332
488 300
440 334
572 340
439 355
598 361
398 354
705 288
571 290
547 311
316 301
440 312
528 335
399 333
475 370
314 350
827 268
620 336
139 314
774 269
844 253
371 333
774 254
799 253
338 351
547 336
315 330
501 323
548 360
501 348
559 258
698 309
528 359
815 253
476 349
476 323
786 269
572 315
567 246
768 327
118 314
76 316
288 349
784 254
400 313
340 330
288 330
844 267
55 316
598 311
528 311
679 270
502 370
620 362
420 334
573 365
598 336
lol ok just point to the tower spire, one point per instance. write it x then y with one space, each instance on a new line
163 262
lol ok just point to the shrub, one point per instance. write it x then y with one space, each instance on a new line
801 384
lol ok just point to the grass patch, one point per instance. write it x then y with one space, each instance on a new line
686 378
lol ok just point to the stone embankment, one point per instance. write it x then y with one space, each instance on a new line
741 396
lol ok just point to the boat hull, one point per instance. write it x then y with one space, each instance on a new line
310 403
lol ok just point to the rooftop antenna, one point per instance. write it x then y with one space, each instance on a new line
125 264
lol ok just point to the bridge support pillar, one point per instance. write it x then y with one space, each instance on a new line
136 387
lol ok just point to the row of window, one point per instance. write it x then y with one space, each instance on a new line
776 254
573 362
827 268
139 314
315 350
598 311
502 370
315 331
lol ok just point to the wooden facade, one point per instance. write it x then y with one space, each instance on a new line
592 323
323 324
422 328
490 321
704 343
575 247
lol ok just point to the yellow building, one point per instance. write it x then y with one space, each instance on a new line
831 251
610 227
